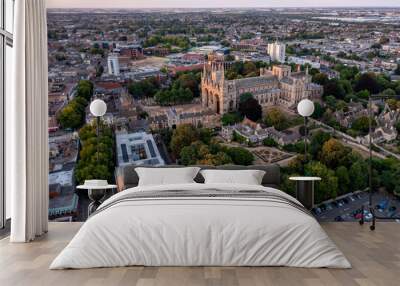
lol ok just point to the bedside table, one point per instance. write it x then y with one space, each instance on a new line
305 190
96 194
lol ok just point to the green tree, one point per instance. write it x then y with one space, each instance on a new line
358 173
95 162
389 92
343 179
69 117
190 155
250 69
231 118
85 89
220 158
397 126
245 96
361 124
173 96
270 142
318 111
363 94
393 103
251 109
145 88
317 141
328 186
331 101
183 135
240 156
276 118
334 88
333 153
367 81
320 78
190 81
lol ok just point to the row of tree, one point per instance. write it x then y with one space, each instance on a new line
96 157
193 146
73 115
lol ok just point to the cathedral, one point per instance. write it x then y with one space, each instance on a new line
275 86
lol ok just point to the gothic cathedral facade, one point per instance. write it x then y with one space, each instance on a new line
275 86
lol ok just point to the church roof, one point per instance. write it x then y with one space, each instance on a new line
254 81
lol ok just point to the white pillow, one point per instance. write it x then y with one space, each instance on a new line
247 177
166 176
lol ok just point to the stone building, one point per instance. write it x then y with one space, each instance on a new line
275 86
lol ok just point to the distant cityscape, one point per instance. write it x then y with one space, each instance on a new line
221 86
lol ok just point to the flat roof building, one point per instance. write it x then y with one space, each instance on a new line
138 148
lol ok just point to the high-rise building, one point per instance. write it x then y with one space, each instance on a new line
277 52
113 64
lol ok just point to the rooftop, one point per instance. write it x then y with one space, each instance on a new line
137 148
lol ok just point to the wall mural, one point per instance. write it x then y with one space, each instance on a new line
206 88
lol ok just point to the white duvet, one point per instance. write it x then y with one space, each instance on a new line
202 232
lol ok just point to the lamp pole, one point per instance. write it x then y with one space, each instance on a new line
305 137
98 108
370 151
371 208
98 136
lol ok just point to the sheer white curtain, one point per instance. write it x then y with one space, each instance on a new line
26 131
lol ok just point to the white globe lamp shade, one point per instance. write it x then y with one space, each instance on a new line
305 108
98 107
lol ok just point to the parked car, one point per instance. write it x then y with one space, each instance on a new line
340 218
383 204
356 212
351 198
358 215
368 217
316 211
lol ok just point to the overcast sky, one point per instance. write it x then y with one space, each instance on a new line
214 3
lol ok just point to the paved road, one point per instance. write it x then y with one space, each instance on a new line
346 210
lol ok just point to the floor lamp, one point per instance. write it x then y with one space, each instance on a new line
305 108
305 184
98 108
370 206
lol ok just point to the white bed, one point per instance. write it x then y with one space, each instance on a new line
202 231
